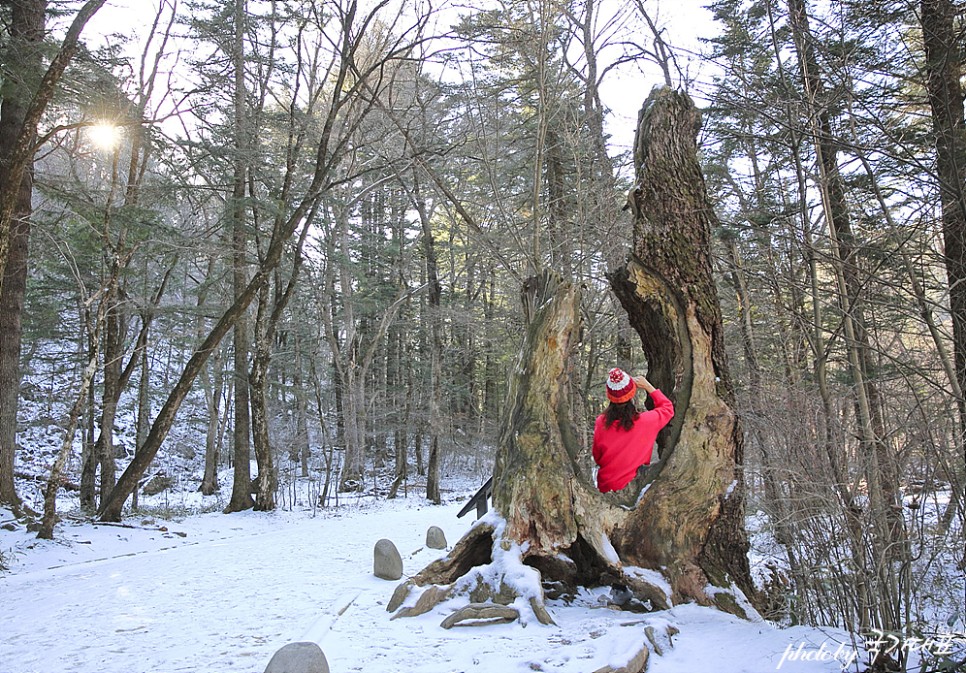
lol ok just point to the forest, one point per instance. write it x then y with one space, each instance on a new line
266 241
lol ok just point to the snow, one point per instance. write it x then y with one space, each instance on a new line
607 548
652 577
221 593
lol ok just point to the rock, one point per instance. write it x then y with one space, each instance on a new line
11 526
435 538
303 657
387 563
156 484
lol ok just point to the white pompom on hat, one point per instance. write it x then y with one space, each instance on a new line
620 386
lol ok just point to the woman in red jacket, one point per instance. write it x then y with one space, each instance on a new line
623 436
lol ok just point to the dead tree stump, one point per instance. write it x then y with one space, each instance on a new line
551 530
691 519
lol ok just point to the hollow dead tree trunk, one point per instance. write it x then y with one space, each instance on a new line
548 515
686 531
691 519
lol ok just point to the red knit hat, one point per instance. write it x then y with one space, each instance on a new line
620 386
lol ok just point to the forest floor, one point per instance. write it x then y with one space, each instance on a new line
221 593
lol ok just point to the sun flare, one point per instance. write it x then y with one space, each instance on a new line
104 135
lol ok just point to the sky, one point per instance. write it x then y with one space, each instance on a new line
685 24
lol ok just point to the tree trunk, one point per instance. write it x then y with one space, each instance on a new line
266 480
266 327
560 230
690 521
144 390
436 351
489 407
241 498
405 383
27 23
113 354
213 385
536 430
88 477
46 531
217 421
352 476
301 412
944 66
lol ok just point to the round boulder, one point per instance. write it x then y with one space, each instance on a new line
435 538
303 657
387 563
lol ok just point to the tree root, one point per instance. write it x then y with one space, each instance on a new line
481 614
637 664
477 568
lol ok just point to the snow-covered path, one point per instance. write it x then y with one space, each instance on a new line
223 598
220 594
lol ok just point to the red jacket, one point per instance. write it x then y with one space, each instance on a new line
620 452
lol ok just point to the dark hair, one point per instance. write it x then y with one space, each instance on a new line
625 414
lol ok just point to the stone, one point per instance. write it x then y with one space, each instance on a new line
302 657
156 484
435 538
387 563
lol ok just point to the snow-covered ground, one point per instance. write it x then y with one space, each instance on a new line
221 593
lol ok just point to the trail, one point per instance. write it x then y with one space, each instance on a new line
225 596
222 604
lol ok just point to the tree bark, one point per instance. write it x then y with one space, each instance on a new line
266 480
436 349
49 520
536 431
944 66
266 327
88 477
690 520
301 443
241 497
27 23
213 384
113 353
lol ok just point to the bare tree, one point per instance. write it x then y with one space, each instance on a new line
343 112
